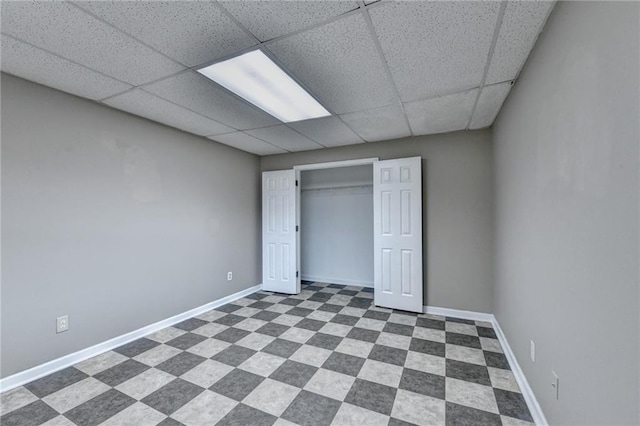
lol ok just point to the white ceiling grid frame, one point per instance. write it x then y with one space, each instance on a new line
193 91
521 25
141 103
245 142
379 124
489 104
193 113
341 133
328 131
85 40
271 19
446 42
496 32
284 137
25 60
441 114
190 32
342 49
385 63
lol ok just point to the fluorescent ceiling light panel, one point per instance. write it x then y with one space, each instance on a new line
257 79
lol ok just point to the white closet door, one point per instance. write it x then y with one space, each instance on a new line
279 254
397 220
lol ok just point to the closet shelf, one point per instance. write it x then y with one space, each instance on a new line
325 188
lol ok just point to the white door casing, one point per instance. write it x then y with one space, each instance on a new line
279 252
397 219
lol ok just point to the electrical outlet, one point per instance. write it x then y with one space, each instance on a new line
555 384
62 324
229 276
533 351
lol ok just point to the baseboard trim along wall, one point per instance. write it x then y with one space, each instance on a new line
470 315
527 392
47 368
337 281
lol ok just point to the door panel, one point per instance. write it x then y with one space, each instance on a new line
397 218
279 232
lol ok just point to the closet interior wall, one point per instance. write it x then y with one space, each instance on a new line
336 225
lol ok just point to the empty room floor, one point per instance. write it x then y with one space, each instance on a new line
324 356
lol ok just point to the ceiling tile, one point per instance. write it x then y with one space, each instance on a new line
340 63
37 65
271 19
247 143
489 104
379 124
442 114
71 33
521 24
328 131
285 138
197 93
435 48
146 105
191 32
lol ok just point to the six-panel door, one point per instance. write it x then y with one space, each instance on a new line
279 232
397 219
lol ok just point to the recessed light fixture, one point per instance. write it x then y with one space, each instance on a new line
256 78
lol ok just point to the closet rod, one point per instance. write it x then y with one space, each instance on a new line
324 188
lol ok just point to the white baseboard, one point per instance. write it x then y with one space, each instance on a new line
470 315
47 368
527 392
337 281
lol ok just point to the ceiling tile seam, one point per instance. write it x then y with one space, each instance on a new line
263 44
261 140
278 125
487 65
312 27
66 59
188 109
535 41
444 95
259 44
126 34
139 117
385 65
235 21
349 127
143 85
183 130
304 136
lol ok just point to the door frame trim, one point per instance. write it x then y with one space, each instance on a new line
334 164
318 166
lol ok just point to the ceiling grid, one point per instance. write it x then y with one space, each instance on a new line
384 69
496 32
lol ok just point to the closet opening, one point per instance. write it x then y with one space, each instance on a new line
354 222
336 224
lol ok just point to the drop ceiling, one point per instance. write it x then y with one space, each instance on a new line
384 69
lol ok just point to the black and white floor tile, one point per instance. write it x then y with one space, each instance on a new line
324 356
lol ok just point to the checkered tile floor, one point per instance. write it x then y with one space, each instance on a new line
324 356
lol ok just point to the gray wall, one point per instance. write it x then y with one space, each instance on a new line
457 172
566 149
115 220
336 225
